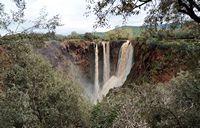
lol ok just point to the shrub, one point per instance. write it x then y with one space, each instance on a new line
103 116
37 96
174 104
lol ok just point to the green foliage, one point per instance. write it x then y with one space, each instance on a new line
74 35
35 39
15 22
123 33
37 96
89 36
103 116
174 104
186 30
159 11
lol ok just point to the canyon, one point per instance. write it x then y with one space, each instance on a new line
102 66
97 66
115 79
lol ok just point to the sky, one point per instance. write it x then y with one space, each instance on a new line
72 15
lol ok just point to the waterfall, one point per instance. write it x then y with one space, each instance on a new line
105 76
96 82
106 61
125 61
123 69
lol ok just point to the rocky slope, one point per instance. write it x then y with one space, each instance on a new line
160 63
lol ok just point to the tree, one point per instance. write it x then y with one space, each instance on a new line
15 22
74 35
36 96
89 36
168 9
117 34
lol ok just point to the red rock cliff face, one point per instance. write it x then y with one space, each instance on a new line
154 63
158 63
65 55
82 55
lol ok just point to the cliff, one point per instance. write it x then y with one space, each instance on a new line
156 63
152 62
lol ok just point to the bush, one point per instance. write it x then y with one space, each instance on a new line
103 116
174 104
37 96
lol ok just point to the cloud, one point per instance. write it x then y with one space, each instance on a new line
72 15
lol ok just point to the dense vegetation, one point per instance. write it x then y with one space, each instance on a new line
142 102
174 104
34 95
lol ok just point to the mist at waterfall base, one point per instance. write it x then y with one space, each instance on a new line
77 76
125 62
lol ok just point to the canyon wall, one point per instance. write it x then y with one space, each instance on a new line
62 55
152 62
159 62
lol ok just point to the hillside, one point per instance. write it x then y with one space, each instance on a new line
124 31
134 31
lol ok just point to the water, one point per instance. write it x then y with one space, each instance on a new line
123 69
106 61
125 61
96 82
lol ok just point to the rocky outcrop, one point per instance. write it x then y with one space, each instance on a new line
70 56
152 62
158 63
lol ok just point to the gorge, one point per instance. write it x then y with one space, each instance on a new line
124 64
118 79
99 67
105 65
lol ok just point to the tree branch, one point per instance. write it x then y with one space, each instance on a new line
189 10
192 2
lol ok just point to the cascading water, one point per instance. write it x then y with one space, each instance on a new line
96 81
106 61
108 58
125 61
123 69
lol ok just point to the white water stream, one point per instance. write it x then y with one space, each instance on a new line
96 82
106 61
